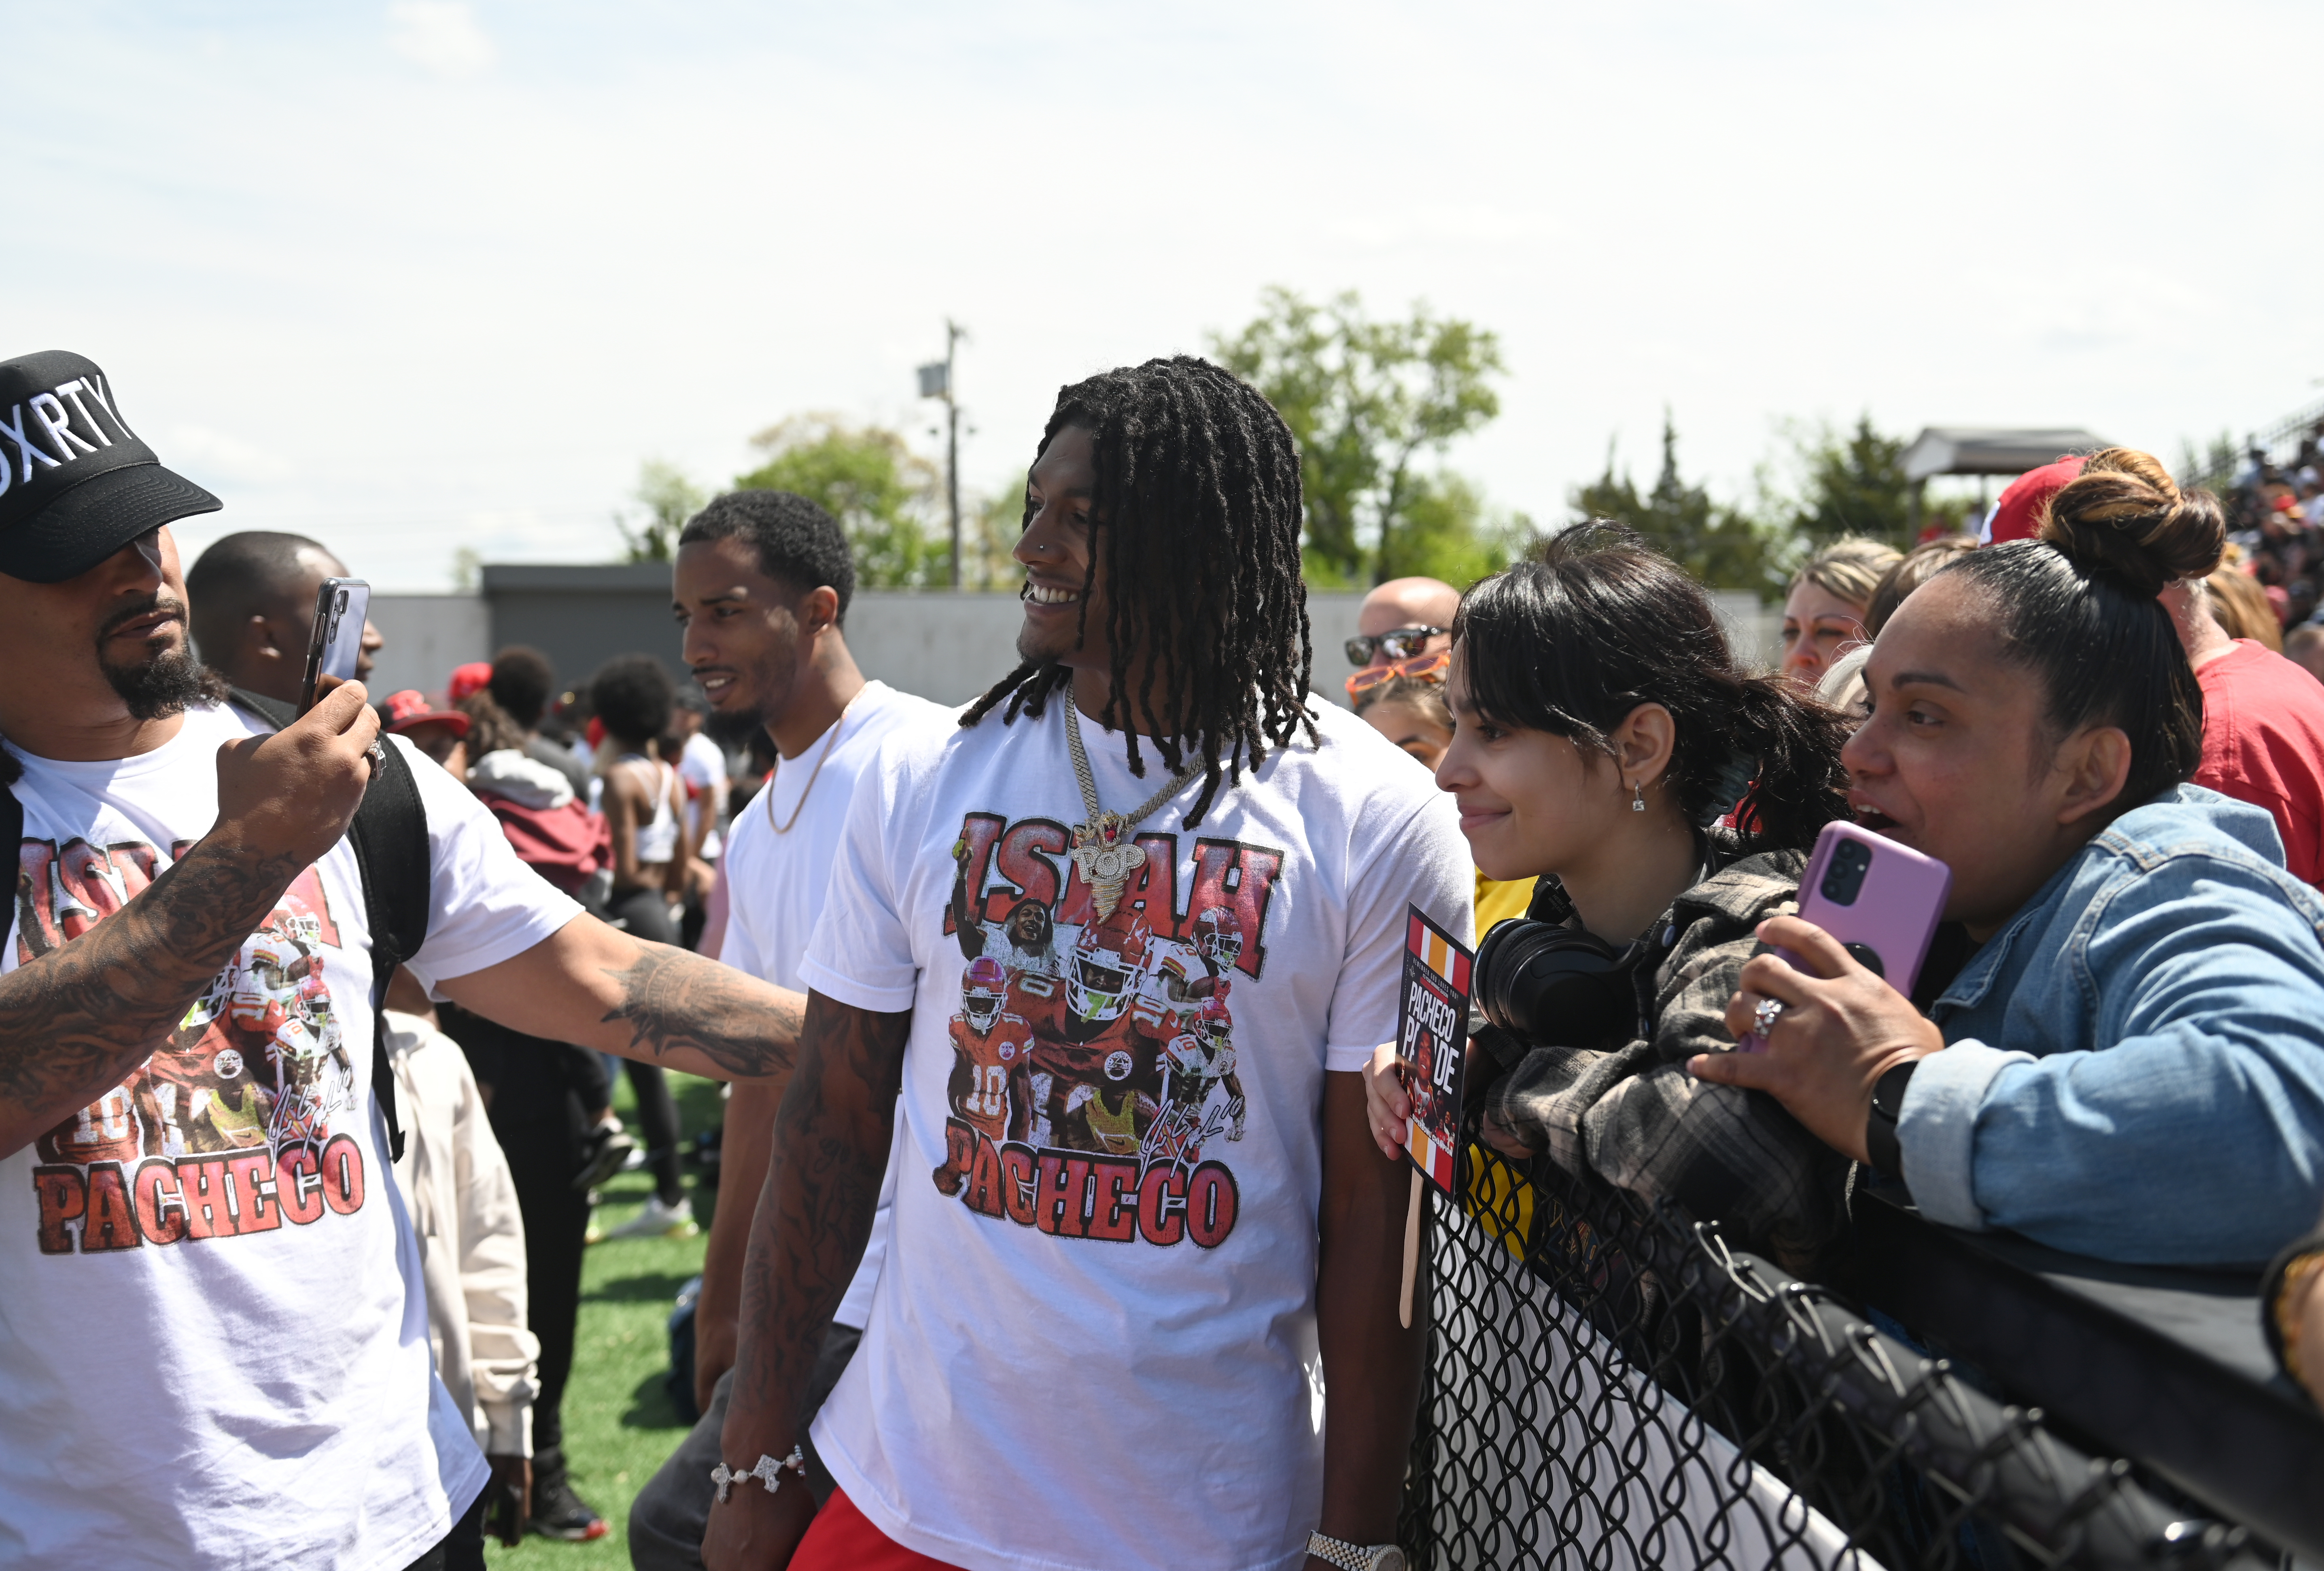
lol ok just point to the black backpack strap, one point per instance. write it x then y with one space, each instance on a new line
389 837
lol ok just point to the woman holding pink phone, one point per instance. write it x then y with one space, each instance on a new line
2129 1063
1603 727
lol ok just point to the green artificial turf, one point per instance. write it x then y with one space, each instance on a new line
619 1424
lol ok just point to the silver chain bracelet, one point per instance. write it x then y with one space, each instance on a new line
768 1472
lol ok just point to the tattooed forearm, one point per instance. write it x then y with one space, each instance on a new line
74 1022
674 1002
815 1213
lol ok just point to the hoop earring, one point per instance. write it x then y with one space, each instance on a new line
1638 799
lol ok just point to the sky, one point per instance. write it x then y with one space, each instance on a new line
438 274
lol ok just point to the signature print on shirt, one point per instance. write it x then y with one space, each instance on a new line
1094 1060
226 1129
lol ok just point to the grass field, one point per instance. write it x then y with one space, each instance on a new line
619 1425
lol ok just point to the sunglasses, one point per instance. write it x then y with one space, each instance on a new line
1398 642
1426 668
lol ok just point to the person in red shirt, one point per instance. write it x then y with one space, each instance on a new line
2262 727
2263 714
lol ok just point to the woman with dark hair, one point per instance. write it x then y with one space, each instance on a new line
633 696
1603 728
2131 1062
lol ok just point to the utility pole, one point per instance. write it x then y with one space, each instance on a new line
936 381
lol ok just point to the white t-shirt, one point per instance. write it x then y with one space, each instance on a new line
775 883
1090 1347
703 768
212 1339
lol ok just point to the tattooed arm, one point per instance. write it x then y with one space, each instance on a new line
76 1020
814 1218
596 986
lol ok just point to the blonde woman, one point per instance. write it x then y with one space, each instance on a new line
1825 611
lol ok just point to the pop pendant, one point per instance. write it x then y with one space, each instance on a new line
1106 860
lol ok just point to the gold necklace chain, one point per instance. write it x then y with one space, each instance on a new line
830 742
1105 858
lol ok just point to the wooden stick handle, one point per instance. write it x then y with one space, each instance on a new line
1411 1250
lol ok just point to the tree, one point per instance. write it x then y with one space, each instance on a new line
1723 547
989 531
1450 532
885 496
1854 484
1364 398
670 499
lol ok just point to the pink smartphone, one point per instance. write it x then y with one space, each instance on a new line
1880 900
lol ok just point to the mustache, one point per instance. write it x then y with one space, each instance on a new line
145 607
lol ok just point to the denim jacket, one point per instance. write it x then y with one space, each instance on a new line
2135 1065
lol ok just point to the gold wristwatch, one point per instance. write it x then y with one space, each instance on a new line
1350 1556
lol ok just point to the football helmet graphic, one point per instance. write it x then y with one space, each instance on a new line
1218 936
984 990
1213 1023
1108 965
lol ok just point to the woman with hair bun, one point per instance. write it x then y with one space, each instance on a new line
1602 729
1825 611
2125 1053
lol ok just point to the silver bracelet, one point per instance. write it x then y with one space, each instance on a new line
768 1472
1350 1556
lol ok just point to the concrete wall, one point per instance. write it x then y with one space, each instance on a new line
943 646
427 635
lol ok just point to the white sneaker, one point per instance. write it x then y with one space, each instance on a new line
656 1220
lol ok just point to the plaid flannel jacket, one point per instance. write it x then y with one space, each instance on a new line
1632 1115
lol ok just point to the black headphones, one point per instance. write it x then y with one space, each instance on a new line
1554 984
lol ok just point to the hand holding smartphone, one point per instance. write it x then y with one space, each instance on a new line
335 643
1880 900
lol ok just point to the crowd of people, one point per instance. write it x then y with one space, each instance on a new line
1062 1147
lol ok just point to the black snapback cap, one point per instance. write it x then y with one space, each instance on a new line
76 484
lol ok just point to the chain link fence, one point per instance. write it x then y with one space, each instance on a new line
1612 1386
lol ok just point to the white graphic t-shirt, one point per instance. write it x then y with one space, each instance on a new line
775 882
212 1339
1090 1350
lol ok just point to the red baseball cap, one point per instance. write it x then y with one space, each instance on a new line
411 708
473 677
2018 515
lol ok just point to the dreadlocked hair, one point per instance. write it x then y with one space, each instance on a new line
1196 511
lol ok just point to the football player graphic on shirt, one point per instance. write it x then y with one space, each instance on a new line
259 1059
1104 1028
1199 1060
1187 980
1025 940
995 1050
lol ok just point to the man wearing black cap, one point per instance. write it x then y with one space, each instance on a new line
213 1338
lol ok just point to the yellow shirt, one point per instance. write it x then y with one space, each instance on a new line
1498 901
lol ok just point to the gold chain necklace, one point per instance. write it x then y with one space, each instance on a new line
1105 858
830 742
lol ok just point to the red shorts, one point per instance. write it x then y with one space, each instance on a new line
843 1538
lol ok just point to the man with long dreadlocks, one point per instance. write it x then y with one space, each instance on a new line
1092 1353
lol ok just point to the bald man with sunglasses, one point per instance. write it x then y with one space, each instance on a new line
1402 618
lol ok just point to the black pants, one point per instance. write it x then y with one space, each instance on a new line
539 1118
644 914
462 1548
672 1512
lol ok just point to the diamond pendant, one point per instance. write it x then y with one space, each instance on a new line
1106 860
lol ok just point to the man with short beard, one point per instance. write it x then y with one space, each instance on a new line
162 830
762 586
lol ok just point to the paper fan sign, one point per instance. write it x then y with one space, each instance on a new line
1433 1041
